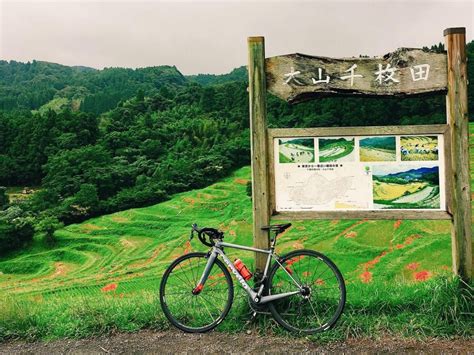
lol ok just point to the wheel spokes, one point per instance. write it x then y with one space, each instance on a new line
195 311
314 308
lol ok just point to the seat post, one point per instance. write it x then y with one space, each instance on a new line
273 240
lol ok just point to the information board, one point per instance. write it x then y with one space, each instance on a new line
380 172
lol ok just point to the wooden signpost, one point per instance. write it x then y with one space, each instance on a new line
286 161
403 72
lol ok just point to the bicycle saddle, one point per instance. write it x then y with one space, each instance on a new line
279 228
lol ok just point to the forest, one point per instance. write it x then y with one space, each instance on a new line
90 142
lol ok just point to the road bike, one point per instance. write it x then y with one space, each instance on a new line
304 290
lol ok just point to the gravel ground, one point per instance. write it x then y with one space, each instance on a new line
178 342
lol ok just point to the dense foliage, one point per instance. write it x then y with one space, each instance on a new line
98 141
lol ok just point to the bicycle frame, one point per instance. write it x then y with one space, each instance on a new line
255 296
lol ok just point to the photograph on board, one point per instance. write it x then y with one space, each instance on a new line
419 148
336 149
296 150
406 186
378 149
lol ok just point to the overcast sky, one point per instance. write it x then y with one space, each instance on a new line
210 36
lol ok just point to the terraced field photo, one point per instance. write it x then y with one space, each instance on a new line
377 149
336 149
406 187
296 150
419 148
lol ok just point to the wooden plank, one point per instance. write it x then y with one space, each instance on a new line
271 173
448 176
356 131
461 235
298 77
391 214
259 154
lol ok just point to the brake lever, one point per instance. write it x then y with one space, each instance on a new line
193 228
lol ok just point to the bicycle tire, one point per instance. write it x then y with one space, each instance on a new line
327 292
181 304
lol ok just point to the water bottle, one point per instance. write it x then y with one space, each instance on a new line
242 269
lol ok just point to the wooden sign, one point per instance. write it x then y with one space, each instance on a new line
299 77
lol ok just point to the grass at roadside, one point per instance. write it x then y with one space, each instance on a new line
434 308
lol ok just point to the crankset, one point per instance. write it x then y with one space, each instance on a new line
257 308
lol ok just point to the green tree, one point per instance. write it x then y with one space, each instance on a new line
47 225
4 200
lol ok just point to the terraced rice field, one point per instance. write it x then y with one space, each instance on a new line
127 252
292 152
374 154
390 191
120 257
336 149
377 149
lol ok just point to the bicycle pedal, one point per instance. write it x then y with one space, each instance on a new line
251 319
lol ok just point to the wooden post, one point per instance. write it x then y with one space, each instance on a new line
458 120
258 145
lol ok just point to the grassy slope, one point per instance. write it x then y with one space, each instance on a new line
128 251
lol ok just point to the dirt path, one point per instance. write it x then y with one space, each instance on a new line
215 342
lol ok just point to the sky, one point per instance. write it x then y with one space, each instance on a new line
211 36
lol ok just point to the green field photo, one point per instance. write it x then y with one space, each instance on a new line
336 149
406 187
296 150
377 149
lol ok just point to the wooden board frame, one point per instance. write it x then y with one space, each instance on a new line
358 131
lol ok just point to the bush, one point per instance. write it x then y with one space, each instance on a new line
48 225
134 197
16 229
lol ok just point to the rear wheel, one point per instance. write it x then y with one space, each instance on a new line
320 302
196 312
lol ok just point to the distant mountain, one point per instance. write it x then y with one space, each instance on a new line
378 142
429 174
301 141
83 68
34 84
238 74
326 142
415 173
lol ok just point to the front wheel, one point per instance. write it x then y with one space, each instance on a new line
321 299
196 312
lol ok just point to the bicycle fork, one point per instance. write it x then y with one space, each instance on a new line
255 296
